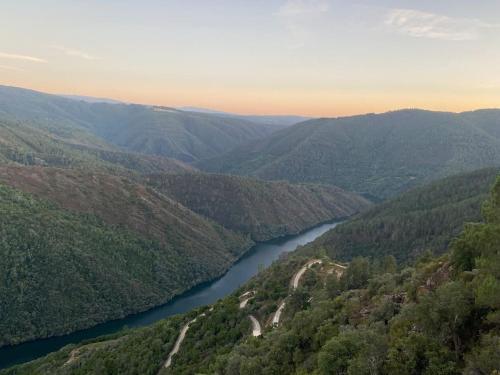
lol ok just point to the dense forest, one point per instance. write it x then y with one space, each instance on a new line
439 315
21 144
423 219
377 154
91 253
264 210
142 246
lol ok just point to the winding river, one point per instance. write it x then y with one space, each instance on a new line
261 255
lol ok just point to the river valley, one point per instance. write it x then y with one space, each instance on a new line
260 256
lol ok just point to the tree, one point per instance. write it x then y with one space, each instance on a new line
484 358
354 352
298 300
357 273
443 313
488 292
334 357
332 286
416 353
389 264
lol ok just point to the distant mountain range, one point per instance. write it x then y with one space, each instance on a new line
378 155
160 131
284 120
92 99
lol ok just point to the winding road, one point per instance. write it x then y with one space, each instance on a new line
300 273
295 284
179 341
244 298
277 314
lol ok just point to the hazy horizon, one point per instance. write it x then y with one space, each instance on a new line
317 58
215 111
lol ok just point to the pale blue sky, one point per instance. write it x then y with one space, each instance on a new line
315 57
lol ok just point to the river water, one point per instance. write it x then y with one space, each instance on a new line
261 255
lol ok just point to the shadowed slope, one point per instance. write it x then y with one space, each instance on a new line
262 209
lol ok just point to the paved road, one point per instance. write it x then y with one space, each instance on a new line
295 284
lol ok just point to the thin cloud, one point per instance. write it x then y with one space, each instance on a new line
419 24
74 52
13 56
13 68
300 18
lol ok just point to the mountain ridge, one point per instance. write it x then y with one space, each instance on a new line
380 155
154 130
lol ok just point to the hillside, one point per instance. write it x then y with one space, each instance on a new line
437 316
380 155
187 136
426 218
264 210
89 247
25 145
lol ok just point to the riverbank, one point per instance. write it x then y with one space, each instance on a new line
260 256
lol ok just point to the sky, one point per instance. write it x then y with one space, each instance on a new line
306 57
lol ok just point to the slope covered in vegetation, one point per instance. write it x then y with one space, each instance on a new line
264 210
425 218
439 316
25 145
187 136
381 155
95 248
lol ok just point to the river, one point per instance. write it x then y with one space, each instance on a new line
261 255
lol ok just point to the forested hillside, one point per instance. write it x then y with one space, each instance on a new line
380 155
92 247
264 210
437 316
25 145
421 219
67 203
187 136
